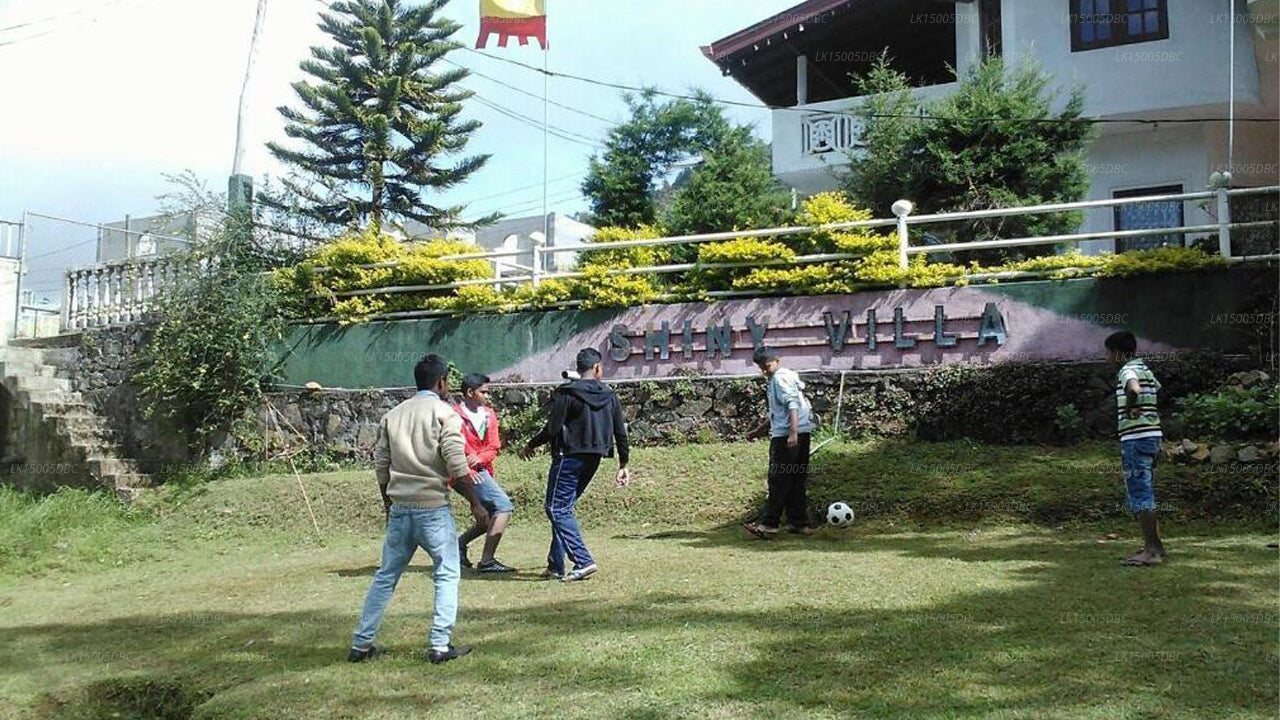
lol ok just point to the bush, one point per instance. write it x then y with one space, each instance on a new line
1004 403
1232 413
212 347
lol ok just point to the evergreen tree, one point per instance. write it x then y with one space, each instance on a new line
996 142
733 188
376 123
621 183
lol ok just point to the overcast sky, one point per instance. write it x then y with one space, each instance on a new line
100 98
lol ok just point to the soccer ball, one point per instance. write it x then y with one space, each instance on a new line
839 514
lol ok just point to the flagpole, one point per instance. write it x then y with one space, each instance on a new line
546 220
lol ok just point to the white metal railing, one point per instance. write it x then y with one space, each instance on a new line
122 292
903 224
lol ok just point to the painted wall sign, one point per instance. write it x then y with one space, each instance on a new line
1044 321
837 332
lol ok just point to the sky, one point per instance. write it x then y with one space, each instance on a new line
99 99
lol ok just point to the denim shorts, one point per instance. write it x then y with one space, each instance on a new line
1137 460
491 495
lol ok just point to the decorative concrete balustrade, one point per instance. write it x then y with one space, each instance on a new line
122 292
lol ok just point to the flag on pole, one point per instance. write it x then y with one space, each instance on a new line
521 19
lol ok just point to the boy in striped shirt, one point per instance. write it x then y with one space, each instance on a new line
1139 425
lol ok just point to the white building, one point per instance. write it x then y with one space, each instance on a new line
521 234
1134 59
148 237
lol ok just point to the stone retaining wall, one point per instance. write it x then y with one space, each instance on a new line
997 403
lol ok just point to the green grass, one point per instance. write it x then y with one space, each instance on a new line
224 604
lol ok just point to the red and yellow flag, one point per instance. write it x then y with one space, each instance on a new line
521 19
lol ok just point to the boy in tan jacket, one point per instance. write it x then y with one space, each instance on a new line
418 455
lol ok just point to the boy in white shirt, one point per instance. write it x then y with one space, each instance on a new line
790 425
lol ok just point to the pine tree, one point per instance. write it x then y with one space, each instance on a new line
376 122
996 142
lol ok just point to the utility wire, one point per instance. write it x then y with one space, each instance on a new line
512 191
55 28
562 195
561 133
762 106
530 205
535 96
58 17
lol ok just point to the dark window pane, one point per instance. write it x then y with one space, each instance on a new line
1153 22
1135 24
1102 6
1149 215
1152 4
1135 5
1103 31
1086 33
1086 8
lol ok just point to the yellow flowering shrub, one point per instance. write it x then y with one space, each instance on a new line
309 289
625 257
1159 260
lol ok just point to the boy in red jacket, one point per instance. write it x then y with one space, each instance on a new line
490 506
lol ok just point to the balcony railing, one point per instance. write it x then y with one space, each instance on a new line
829 133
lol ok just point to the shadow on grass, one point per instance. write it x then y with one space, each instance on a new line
1073 636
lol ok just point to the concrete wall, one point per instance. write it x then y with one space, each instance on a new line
8 297
1187 69
1048 321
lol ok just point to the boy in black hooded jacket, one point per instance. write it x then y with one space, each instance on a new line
585 425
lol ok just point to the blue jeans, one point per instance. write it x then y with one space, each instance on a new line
407 530
1137 460
567 480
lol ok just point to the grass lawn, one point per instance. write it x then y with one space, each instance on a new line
218 603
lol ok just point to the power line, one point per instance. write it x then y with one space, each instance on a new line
524 187
61 250
558 132
555 130
535 96
57 17
530 205
55 28
762 106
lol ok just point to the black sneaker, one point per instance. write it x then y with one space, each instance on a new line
580 573
440 656
462 556
494 566
356 655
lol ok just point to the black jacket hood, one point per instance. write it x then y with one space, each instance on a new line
593 393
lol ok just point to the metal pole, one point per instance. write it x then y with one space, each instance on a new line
546 222
902 209
1224 219
22 258
1231 92
840 397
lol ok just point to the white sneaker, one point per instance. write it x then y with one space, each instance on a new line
581 573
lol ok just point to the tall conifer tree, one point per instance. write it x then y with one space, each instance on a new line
376 123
